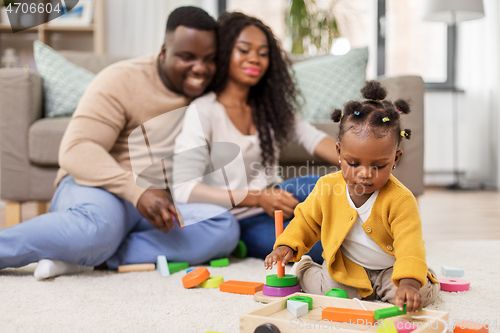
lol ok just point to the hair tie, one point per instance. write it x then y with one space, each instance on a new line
403 133
400 111
356 113
385 119
341 116
374 100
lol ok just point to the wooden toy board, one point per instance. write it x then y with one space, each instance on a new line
276 313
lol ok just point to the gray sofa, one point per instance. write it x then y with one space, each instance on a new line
29 143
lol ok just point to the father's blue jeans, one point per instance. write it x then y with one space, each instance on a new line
258 232
89 226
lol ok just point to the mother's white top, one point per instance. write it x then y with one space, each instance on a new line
204 153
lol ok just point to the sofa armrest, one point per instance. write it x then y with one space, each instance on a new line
20 105
410 170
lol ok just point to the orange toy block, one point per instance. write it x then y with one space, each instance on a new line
241 287
355 317
466 326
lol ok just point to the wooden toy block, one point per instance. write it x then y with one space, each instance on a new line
241 287
278 225
195 277
189 270
136 268
305 299
297 308
241 250
387 326
280 291
359 317
466 326
174 267
337 293
405 326
162 266
213 281
219 262
287 280
451 271
454 284
275 313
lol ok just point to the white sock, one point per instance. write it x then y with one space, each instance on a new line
48 268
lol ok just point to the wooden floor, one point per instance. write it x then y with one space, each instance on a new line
445 214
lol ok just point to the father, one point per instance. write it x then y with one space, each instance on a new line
98 213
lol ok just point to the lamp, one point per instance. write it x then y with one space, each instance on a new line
452 12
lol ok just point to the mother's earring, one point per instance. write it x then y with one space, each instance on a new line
393 167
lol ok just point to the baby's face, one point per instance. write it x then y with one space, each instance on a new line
367 161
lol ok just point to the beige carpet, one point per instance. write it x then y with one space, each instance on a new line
147 302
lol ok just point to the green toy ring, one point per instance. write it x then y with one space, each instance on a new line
305 299
241 250
288 280
340 293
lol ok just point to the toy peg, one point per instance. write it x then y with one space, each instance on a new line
278 224
219 262
136 268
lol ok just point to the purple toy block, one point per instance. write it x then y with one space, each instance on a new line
280 291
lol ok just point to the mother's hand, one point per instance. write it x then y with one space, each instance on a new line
158 208
273 199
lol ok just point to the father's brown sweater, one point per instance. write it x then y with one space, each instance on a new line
122 97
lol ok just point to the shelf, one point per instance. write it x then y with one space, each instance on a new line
45 31
51 28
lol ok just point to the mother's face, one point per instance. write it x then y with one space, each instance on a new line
250 56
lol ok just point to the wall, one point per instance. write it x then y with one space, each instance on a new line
143 23
477 74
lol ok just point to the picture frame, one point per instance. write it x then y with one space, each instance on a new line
81 15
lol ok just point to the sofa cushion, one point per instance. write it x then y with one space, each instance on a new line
44 138
63 82
293 153
328 82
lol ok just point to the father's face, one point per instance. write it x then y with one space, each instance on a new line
188 60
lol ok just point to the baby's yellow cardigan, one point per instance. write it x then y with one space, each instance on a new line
394 224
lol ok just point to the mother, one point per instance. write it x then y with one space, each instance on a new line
254 106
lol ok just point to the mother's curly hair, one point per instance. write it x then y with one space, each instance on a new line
274 99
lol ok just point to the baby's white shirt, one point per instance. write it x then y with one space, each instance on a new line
358 246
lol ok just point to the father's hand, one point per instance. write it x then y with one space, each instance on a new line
158 208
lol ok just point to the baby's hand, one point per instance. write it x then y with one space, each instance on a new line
408 293
281 253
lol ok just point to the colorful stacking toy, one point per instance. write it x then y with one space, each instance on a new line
280 284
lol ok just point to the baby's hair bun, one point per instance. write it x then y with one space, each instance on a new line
351 107
407 133
373 90
402 106
336 115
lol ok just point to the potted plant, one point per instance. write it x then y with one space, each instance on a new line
311 27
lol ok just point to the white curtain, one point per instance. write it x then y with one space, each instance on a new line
135 28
